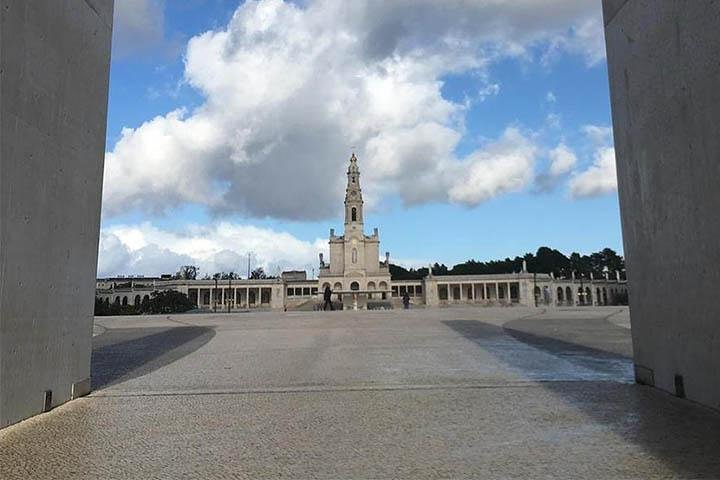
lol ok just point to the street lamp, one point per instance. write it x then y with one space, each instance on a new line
215 295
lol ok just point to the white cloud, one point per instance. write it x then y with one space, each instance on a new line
138 26
562 160
144 249
550 97
503 166
599 179
290 90
599 135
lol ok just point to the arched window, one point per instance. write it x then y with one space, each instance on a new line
383 286
353 214
560 295
353 179
125 301
354 286
137 301
354 255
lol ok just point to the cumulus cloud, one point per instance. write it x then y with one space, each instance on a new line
600 178
289 90
144 249
562 160
599 135
503 166
138 26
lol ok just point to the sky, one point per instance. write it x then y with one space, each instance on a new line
482 130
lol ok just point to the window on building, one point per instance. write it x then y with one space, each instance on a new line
353 214
290 292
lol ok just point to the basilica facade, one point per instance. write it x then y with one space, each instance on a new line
359 280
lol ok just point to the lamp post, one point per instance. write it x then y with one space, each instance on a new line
229 291
215 295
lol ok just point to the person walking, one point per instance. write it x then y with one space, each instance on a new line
406 300
327 296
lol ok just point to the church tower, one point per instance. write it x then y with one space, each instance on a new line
353 200
355 272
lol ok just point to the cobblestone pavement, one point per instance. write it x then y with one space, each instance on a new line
436 393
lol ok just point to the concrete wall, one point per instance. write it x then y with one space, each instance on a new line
54 64
664 68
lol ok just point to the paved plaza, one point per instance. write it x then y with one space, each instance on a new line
427 393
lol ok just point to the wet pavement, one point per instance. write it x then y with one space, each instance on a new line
436 393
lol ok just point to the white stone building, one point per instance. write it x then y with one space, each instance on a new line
360 280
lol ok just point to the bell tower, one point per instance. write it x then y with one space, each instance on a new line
353 200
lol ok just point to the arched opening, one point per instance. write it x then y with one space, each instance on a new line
568 295
514 293
580 296
137 301
604 296
325 285
252 297
117 300
598 297
354 286
124 301
560 296
353 214
588 296
370 286
383 286
537 292
338 288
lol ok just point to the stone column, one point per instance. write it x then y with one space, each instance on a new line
54 64
663 68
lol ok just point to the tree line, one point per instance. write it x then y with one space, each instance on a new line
191 272
545 260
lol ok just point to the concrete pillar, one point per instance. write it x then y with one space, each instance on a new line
54 64
663 67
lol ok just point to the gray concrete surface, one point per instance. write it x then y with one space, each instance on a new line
431 393
664 70
54 64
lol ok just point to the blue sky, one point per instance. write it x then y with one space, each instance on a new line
481 136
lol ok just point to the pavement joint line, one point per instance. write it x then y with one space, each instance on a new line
340 389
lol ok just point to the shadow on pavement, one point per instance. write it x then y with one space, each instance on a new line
122 354
680 434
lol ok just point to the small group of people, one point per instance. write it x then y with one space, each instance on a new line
327 297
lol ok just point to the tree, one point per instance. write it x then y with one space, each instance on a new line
229 276
258 274
167 301
187 272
